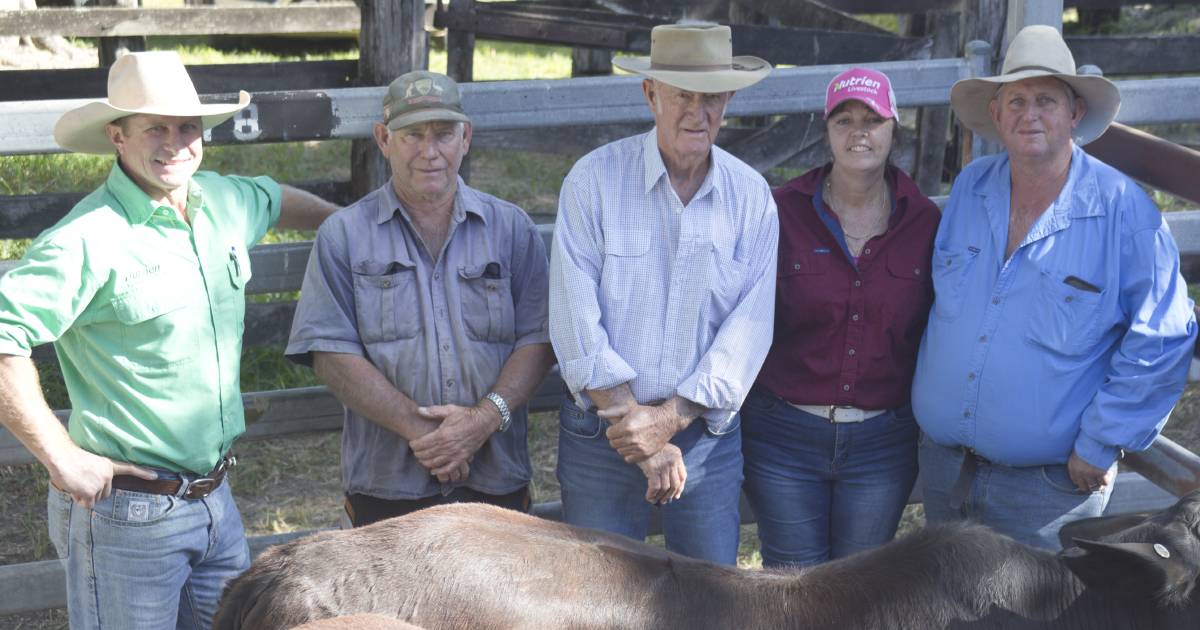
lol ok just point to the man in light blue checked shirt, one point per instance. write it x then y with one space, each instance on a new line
662 285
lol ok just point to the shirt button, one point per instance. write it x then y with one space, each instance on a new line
1069 298
446 346
850 352
982 338
916 271
449 382
491 287
866 251
796 266
970 376
854 317
387 284
967 414
845 388
858 283
995 300
437 276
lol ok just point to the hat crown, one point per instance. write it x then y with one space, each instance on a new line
151 80
1039 46
684 45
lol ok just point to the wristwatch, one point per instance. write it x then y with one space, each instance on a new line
502 405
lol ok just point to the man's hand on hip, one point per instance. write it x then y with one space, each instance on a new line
640 431
87 477
665 475
1087 477
447 450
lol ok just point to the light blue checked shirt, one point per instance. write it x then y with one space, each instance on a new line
671 299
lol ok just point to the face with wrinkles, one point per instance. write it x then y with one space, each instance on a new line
1036 118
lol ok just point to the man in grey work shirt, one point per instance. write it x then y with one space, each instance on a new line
424 310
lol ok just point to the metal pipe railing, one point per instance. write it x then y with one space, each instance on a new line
1168 466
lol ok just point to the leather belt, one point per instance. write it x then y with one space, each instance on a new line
196 488
839 414
966 476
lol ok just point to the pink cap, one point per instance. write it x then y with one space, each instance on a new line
872 87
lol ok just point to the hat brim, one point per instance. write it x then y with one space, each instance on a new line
426 115
970 97
744 72
81 130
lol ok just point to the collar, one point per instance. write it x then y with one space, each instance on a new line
1078 199
389 205
136 204
654 169
902 186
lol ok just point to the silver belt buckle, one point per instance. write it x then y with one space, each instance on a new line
845 414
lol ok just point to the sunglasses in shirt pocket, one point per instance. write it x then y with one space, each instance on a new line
1064 314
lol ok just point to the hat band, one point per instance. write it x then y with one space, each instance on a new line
1042 68
654 65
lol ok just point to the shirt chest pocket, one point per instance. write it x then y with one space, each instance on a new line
156 330
950 271
1064 317
386 301
485 291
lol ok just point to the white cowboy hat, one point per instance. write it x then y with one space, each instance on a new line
139 83
1037 51
696 58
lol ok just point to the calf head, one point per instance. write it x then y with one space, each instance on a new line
1156 557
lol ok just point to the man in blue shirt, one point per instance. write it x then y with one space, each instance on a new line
1061 328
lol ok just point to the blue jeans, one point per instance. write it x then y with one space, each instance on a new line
822 490
147 560
1028 503
601 491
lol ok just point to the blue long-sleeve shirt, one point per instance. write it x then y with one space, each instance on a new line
1079 342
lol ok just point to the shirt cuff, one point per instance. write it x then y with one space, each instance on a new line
713 392
597 371
538 336
13 347
1099 455
301 351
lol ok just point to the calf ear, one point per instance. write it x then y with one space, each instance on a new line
1131 570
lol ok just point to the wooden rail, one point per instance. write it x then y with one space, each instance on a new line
121 22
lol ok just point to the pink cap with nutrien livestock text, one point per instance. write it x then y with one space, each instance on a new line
872 87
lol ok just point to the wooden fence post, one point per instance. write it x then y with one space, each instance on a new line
110 48
390 43
460 45
933 122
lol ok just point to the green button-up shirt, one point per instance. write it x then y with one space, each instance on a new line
146 314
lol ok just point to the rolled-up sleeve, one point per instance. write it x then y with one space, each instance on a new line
325 318
1148 371
726 371
44 294
585 356
530 285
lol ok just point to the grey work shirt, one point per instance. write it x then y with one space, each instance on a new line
440 332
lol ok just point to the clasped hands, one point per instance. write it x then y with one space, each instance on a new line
452 435
641 434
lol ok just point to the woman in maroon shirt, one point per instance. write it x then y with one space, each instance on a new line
828 435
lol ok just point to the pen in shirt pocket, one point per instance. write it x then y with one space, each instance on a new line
1081 284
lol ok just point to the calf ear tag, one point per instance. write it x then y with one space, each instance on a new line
1161 550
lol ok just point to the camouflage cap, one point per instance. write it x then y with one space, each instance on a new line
422 96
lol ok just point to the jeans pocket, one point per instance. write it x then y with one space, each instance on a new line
126 508
1057 478
58 520
574 421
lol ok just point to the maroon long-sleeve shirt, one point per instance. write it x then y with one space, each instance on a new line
847 335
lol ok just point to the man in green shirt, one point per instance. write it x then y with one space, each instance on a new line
141 289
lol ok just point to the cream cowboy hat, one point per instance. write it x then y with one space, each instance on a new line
1037 51
696 58
139 83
